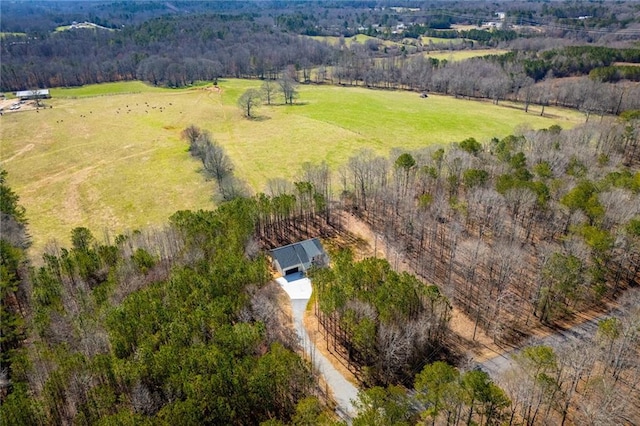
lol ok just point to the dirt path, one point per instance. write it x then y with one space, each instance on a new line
25 149
497 365
480 348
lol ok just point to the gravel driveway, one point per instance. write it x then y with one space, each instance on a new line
343 391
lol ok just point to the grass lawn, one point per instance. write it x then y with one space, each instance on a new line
117 162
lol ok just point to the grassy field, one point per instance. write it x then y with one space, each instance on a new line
438 40
7 34
460 55
362 38
82 25
358 38
117 162
105 89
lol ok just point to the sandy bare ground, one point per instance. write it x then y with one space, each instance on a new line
5 105
313 330
461 326
482 348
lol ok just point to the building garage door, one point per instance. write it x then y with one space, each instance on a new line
292 270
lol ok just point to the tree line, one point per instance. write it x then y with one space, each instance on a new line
215 162
169 51
14 240
442 395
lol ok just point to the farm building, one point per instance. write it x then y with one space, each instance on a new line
27 95
299 257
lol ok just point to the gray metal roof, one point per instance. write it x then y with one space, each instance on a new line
297 253
312 247
39 92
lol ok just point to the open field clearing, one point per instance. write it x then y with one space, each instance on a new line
461 55
82 25
117 162
118 88
108 162
625 64
362 38
358 38
8 34
464 27
439 40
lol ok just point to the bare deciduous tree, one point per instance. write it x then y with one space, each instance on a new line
288 85
268 90
249 101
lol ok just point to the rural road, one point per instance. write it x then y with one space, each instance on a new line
501 363
344 392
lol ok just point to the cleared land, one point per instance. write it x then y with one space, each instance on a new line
358 38
407 42
82 25
461 55
7 34
439 40
117 162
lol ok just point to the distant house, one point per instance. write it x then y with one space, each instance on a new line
489 25
299 257
27 95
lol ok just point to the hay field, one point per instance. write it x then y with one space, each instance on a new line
358 38
425 40
117 162
104 162
461 55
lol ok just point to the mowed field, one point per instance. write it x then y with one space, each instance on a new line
461 55
116 162
358 38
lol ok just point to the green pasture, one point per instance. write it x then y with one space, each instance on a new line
117 88
439 40
358 38
117 162
461 55
4 34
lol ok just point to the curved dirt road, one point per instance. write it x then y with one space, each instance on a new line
499 364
